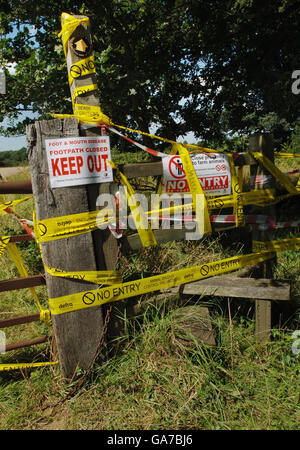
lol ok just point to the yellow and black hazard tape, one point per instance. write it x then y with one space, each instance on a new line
276 245
4 240
16 257
286 155
62 227
87 299
238 208
12 203
265 251
196 191
19 366
280 176
81 68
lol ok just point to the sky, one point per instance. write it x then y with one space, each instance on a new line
12 143
15 142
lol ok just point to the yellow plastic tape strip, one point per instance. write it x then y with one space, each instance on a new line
69 24
156 204
20 366
82 90
238 209
11 204
4 240
92 276
140 218
68 303
286 155
281 177
85 66
277 245
65 226
74 224
17 259
89 113
196 191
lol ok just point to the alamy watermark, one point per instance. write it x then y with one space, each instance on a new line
296 83
165 210
296 343
2 342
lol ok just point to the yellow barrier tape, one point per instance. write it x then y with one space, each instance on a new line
74 224
286 155
68 303
4 240
140 219
69 24
85 66
11 204
281 177
238 209
65 226
17 259
20 366
196 191
156 204
86 114
277 245
92 276
82 90
265 196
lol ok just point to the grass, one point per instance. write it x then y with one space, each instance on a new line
154 379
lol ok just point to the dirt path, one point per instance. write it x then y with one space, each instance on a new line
9 171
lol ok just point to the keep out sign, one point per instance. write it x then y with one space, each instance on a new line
78 160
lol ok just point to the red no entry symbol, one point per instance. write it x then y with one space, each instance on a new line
176 168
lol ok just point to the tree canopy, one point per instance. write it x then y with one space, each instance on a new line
211 67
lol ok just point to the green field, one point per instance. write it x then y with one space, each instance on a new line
158 377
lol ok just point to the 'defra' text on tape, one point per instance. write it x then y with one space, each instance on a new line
78 160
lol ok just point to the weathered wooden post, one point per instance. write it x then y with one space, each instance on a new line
82 77
83 81
263 143
77 333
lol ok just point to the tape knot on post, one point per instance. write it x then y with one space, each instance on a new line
45 316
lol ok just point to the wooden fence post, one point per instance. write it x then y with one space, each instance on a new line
263 143
77 333
79 47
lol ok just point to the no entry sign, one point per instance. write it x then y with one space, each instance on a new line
213 173
78 160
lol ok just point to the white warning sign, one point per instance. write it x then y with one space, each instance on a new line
74 161
213 173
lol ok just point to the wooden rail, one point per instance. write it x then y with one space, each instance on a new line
16 187
4 323
22 283
25 343
21 238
